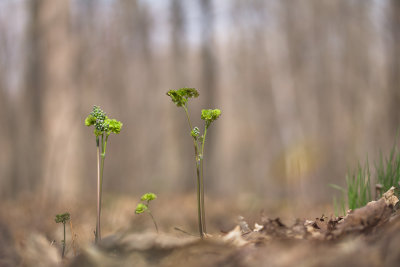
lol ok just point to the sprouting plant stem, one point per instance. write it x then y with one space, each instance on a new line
154 221
196 149
199 207
196 158
100 185
63 251
203 212
97 233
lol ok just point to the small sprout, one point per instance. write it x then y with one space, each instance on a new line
141 207
148 197
63 218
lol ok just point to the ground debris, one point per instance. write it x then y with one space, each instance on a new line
38 251
369 236
235 238
366 218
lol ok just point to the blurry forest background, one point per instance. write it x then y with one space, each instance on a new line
306 89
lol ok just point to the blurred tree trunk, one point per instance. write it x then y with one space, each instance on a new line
178 41
29 147
180 78
209 68
394 69
6 136
51 101
209 77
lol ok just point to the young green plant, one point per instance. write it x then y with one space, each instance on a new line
63 218
103 127
388 170
358 189
180 97
358 183
145 207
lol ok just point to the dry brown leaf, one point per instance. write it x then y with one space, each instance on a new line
234 237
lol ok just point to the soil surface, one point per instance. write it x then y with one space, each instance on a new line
369 236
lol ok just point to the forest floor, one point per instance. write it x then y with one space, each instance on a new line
369 236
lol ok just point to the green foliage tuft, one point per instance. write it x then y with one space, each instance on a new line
140 208
62 218
388 170
102 124
114 126
148 197
359 187
358 183
181 96
90 120
358 190
210 115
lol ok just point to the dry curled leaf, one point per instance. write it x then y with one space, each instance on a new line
234 237
390 198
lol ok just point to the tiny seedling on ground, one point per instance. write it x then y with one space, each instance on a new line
62 218
103 127
358 189
145 207
180 98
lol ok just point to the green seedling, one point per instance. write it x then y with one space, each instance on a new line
388 170
339 206
180 98
358 184
62 218
358 189
103 127
145 207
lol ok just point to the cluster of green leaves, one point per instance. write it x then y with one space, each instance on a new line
180 97
102 124
62 218
142 207
210 115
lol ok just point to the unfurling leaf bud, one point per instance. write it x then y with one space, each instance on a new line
140 208
195 132
148 197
